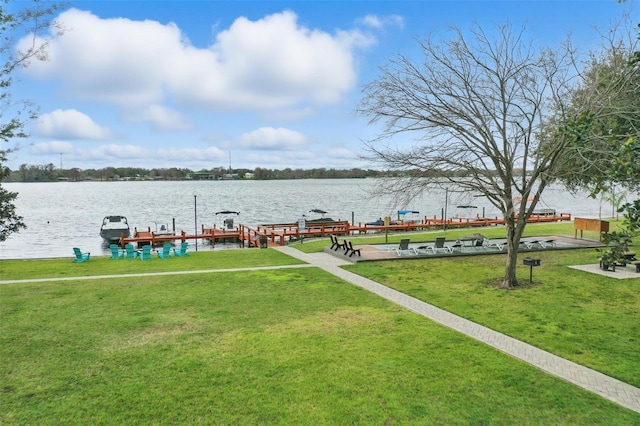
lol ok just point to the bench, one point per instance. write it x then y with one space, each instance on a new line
349 250
335 244
637 264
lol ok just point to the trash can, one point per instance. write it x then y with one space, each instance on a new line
263 242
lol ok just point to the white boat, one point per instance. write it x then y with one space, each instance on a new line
113 227
538 211
318 220
466 212
228 219
409 216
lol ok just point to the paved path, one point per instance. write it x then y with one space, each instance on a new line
621 393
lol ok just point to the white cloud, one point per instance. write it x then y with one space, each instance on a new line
53 147
379 23
69 124
160 118
269 138
119 152
269 63
340 154
297 114
193 154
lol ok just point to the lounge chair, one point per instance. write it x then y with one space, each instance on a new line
145 254
116 253
404 248
440 246
350 250
80 256
182 251
130 251
335 244
487 243
533 244
548 243
166 251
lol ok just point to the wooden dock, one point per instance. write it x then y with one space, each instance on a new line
269 235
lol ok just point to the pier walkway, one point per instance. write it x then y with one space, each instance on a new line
612 389
279 234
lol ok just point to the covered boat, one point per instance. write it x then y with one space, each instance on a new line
466 212
228 219
321 219
409 216
538 211
113 227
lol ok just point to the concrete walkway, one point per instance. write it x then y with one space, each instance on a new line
621 393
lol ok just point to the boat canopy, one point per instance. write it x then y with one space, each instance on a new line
227 212
403 212
317 211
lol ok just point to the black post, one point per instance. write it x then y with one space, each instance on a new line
195 216
446 202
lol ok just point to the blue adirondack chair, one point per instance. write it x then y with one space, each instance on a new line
130 251
116 253
166 251
145 254
80 256
182 251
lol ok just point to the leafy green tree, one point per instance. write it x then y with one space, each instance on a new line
603 125
601 118
15 114
10 221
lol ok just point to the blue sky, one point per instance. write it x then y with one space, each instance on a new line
204 84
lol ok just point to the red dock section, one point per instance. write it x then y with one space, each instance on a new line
280 234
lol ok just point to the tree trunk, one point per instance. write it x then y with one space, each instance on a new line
514 233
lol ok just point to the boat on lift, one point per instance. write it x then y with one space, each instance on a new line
466 211
228 219
321 219
113 227
409 216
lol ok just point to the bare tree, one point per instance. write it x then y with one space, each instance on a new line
476 105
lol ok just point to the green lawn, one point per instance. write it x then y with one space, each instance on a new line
300 346
587 318
102 265
294 346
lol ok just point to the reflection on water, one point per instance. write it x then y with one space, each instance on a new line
63 215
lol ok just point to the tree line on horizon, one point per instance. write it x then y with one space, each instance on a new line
51 173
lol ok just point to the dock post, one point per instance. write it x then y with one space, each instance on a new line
195 215
353 220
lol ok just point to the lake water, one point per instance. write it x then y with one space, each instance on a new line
63 215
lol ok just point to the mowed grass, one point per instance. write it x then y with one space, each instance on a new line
285 346
587 318
102 265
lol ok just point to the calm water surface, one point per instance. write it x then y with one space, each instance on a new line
63 215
